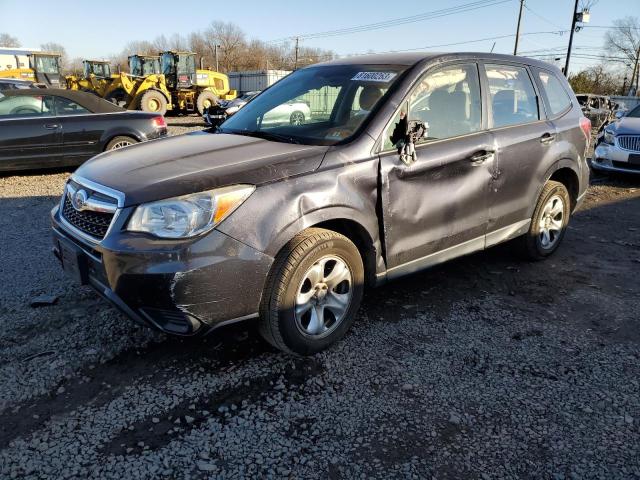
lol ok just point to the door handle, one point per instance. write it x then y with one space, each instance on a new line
547 137
51 126
482 156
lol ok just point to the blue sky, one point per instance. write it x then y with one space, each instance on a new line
99 29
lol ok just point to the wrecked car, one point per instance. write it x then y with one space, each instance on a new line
216 114
597 108
618 145
407 161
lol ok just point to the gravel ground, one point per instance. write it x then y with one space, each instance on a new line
486 367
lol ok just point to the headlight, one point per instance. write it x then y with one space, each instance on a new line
609 137
189 215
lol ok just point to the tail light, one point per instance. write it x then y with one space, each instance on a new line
159 122
585 125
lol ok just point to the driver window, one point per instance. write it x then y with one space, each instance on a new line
448 101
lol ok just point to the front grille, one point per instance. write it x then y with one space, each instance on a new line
626 166
629 142
92 223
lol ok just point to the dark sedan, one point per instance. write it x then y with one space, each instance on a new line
53 128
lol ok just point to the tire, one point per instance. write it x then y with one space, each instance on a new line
153 101
553 209
206 99
119 97
120 142
313 251
297 118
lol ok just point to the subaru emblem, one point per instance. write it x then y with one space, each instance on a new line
79 200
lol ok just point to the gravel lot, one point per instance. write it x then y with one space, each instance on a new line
486 367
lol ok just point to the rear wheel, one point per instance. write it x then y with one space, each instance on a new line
153 101
548 223
296 118
205 100
120 142
313 292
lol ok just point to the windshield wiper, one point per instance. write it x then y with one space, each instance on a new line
278 137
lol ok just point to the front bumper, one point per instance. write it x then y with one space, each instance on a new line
179 287
614 159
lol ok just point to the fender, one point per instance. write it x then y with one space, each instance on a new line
561 163
113 132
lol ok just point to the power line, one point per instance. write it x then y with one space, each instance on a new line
478 40
541 17
397 21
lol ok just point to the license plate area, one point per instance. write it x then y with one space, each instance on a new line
74 261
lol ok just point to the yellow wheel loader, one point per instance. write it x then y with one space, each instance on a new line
44 69
96 77
192 90
126 88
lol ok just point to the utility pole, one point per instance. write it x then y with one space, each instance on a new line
215 48
515 47
636 73
573 28
295 65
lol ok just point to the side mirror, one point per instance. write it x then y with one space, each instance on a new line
407 148
619 114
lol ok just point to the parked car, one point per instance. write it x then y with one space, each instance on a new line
53 127
287 222
216 114
597 108
16 84
618 146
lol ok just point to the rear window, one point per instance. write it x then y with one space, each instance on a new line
557 97
513 98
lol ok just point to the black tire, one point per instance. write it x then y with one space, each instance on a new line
297 118
119 142
531 244
153 101
277 323
205 100
119 97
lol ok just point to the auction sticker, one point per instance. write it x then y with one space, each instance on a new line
382 77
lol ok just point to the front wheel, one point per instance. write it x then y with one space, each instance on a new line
548 223
313 292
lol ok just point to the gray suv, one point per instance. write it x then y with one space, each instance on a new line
408 160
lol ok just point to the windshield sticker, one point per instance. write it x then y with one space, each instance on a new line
382 77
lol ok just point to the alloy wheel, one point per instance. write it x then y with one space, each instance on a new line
551 222
323 297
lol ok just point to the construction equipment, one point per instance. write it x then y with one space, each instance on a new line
168 82
96 77
44 69
192 90
125 89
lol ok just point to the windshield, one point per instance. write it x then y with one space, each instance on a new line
186 64
635 113
101 70
320 105
46 64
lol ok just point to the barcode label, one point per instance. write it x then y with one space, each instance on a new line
383 77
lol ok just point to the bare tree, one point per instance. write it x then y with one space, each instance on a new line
7 40
624 40
230 40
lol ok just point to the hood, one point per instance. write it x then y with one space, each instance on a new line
626 126
196 162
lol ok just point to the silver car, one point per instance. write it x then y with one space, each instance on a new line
618 147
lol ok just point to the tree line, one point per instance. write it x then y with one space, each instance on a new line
235 50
